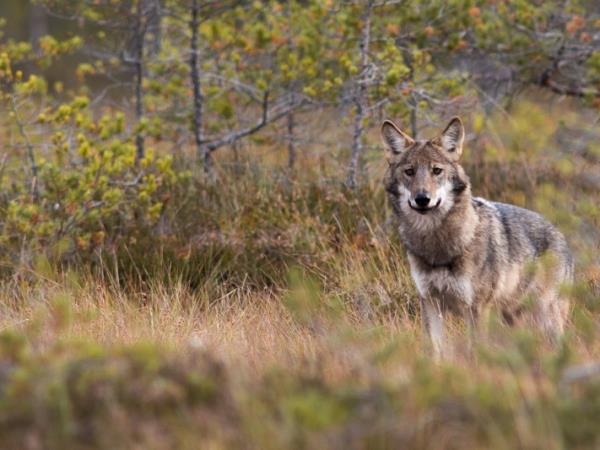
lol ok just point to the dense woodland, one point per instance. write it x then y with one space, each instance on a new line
195 244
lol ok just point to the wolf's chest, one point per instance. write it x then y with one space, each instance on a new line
442 282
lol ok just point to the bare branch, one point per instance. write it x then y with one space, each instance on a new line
267 117
547 82
232 137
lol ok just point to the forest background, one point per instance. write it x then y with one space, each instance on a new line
195 243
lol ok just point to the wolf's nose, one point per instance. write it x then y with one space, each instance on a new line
422 199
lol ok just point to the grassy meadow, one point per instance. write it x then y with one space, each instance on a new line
272 310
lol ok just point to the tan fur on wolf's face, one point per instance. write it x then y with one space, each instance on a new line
424 174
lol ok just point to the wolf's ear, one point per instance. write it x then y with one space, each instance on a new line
452 138
394 139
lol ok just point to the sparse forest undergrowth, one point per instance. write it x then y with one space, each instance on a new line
278 312
158 293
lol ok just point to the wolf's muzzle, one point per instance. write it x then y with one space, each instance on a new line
424 209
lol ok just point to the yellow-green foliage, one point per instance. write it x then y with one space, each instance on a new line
89 190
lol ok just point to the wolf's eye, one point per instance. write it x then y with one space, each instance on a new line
437 170
410 172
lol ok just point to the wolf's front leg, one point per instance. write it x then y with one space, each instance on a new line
475 318
432 321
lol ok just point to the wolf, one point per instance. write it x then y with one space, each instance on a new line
467 254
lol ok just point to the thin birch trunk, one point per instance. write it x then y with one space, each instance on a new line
413 102
291 124
202 153
155 27
38 25
360 98
139 78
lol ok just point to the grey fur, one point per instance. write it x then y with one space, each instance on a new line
467 253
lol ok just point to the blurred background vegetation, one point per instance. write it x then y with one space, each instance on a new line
195 244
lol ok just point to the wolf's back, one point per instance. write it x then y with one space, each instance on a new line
526 235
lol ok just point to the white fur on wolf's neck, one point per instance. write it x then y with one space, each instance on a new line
446 231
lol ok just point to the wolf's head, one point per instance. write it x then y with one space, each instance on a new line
424 178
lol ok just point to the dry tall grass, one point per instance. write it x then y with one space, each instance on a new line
276 313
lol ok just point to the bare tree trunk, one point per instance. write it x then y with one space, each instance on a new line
202 153
414 127
356 142
291 124
290 117
38 25
412 101
237 165
139 78
155 27
360 97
